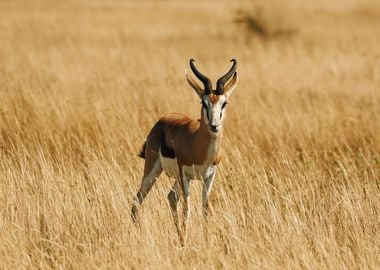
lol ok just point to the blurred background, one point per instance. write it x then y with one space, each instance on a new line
82 82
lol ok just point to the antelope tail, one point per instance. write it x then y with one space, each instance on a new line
142 151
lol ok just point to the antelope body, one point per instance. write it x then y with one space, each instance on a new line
187 149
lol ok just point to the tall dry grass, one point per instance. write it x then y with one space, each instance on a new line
82 82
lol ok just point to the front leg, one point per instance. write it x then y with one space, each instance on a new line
185 185
207 185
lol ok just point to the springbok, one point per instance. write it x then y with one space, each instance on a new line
187 149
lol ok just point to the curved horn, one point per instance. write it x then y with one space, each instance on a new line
206 81
222 80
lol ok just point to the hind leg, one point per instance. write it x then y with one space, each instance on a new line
185 185
173 197
151 171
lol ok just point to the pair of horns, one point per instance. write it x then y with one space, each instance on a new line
221 81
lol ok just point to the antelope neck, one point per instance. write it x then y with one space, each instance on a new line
207 143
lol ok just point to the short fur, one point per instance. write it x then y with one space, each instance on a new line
171 126
187 148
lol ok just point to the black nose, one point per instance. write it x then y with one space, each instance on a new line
214 128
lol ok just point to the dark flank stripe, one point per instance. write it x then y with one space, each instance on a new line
166 151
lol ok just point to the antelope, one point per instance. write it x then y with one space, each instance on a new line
187 149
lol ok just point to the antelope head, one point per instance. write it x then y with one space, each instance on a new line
213 102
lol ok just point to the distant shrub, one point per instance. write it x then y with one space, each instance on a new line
269 19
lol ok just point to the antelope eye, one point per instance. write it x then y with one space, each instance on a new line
224 105
204 104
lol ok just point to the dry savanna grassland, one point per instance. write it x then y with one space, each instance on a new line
82 82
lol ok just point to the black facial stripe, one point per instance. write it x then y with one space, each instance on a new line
205 106
208 114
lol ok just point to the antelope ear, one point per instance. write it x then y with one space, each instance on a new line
230 87
199 90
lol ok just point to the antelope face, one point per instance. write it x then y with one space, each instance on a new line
213 111
214 101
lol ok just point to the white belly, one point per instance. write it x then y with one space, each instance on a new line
200 172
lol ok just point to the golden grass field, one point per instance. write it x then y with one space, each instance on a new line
82 82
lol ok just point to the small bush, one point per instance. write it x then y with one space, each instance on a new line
269 19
